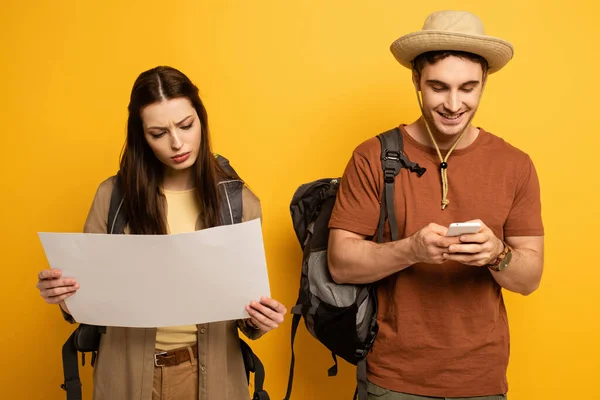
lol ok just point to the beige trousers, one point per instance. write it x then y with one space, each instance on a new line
177 382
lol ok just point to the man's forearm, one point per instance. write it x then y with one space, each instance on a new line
355 260
524 273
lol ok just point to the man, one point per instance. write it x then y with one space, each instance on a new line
443 329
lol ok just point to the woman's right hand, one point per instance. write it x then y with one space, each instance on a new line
54 288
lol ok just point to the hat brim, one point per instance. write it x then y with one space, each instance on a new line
496 51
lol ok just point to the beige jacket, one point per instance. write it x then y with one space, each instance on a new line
125 365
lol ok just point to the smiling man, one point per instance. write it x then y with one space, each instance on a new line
443 329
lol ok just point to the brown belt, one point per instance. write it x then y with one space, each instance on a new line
174 357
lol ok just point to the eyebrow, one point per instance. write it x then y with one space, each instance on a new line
436 82
178 123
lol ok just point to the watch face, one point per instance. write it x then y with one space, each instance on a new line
504 263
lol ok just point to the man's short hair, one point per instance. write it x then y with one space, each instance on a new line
432 57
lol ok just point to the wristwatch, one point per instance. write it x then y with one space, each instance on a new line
503 259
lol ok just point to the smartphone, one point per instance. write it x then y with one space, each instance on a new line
463 228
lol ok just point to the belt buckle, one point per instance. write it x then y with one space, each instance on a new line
162 353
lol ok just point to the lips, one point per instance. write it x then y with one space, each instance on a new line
451 119
179 158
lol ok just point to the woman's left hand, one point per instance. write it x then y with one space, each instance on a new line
266 314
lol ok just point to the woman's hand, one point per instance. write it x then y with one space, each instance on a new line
265 315
54 289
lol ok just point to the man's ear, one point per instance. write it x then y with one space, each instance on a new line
484 80
416 79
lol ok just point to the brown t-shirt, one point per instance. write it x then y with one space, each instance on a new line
443 329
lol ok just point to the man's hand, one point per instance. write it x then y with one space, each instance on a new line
429 244
478 249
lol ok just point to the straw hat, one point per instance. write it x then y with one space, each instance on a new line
453 30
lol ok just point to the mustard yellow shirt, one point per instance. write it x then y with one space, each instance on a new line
183 210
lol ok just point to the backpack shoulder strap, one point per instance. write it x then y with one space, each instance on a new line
232 206
117 220
225 165
393 159
72 383
253 364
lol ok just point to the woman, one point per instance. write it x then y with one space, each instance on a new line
169 178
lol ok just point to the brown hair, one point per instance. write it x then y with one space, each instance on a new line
142 173
432 57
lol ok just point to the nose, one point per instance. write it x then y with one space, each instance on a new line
452 103
176 142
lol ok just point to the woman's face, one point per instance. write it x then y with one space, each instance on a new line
173 132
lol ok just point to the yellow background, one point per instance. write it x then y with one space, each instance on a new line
291 87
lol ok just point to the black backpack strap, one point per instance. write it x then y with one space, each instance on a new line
334 368
391 148
394 139
232 204
393 160
259 380
117 220
226 166
72 383
253 364
297 311
230 191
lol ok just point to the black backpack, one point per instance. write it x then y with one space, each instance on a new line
86 338
342 317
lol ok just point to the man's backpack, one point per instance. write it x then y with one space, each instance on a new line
86 338
341 316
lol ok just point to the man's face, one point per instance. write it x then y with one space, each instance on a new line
451 90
